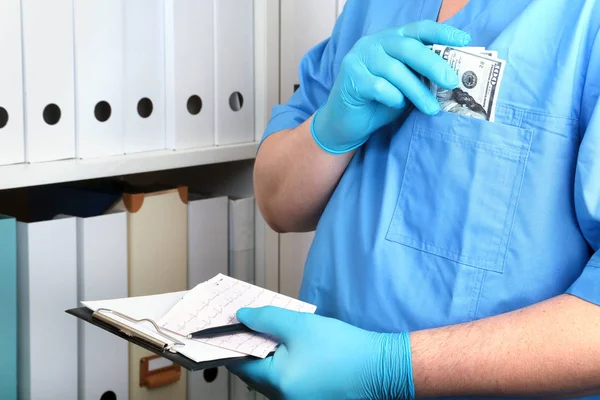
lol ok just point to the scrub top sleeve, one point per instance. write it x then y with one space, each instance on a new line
587 180
315 78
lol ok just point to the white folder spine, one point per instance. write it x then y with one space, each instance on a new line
234 72
296 40
102 255
48 79
47 282
238 390
241 239
207 257
99 77
12 139
190 66
207 239
241 266
144 85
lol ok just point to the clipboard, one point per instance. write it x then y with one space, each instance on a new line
160 349
157 323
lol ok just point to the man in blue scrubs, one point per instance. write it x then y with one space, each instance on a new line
454 256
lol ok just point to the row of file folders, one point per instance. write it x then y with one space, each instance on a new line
97 78
62 245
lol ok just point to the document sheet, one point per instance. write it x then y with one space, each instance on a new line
214 303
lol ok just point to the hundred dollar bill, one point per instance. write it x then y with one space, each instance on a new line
480 77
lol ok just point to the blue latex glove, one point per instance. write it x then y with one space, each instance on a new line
323 358
375 84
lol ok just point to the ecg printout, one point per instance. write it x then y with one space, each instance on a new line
215 302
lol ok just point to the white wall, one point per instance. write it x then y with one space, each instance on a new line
304 23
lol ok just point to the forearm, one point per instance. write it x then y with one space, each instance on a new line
551 349
294 179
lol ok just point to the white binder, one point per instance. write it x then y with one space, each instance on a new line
234 72
47 282
190 73
238 389
99 77
209 384
48 75
102 254
12 139
259 396
293 251
144 84
241 239
208 229
157 245
241 266
207 257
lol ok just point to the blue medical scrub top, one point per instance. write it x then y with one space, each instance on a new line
446 219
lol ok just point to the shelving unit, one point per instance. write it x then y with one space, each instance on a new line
226 170
232 163
267 83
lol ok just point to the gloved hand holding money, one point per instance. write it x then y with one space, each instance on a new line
480 74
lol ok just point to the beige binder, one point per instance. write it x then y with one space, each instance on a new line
157 236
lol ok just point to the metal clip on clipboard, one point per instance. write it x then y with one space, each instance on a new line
129 331
149 378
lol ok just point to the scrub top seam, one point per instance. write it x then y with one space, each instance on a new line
510 223
585 80
476 293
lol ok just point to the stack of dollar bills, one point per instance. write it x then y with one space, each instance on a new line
480 74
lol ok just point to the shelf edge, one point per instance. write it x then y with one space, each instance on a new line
27 175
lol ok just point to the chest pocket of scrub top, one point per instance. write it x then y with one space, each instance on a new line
460 188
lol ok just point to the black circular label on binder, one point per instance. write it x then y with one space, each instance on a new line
145 107
194 105
211 374
236 101
110 395
52 114
3 117
103 111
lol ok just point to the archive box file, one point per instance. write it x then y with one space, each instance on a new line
12 137
157 235
234 72
144 82
102 255
207 257
190 73
99 59
48 69
47 286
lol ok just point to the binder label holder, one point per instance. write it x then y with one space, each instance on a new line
164 376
